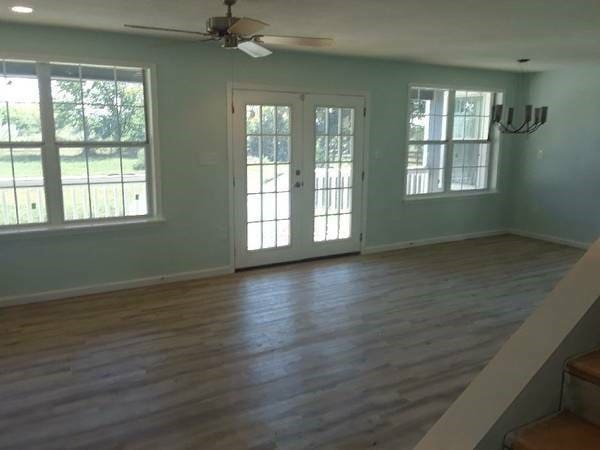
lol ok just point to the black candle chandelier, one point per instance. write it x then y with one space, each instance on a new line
534 118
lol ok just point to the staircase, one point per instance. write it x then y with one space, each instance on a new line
577 425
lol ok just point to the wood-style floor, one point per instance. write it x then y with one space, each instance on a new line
348 353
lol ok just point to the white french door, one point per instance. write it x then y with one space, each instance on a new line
298 175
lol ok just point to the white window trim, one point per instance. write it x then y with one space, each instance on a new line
494 141
41 230
55 223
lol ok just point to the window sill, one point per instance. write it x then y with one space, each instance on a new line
449 196
77 228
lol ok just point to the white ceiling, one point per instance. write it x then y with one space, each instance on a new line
472 33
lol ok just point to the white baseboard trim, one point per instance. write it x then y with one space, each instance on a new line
114 286
549 238
429 241
223 270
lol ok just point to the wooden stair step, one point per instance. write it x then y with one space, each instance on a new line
586 366
582 398
564 431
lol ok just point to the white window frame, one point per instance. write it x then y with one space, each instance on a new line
493 140
51 160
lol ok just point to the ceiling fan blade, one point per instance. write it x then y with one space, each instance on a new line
181 42
247 27
296 40
253 49
171 30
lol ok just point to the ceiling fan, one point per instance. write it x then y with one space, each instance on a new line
242 34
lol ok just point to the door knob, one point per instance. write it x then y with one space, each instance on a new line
298 184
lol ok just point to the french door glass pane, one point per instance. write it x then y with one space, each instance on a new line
268 152
334 150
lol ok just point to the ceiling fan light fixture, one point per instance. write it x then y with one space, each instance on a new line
230 41
253 49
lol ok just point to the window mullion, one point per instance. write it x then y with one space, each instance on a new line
491 157
50 155
450 142
152 197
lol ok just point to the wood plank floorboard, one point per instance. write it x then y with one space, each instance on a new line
349 353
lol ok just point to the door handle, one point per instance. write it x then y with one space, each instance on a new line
299 184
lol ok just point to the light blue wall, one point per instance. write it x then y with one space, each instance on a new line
192 121
556 189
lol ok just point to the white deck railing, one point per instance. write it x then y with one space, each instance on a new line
337 187
417 182
105 191
33 212
331 189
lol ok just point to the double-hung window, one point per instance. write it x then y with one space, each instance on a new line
75 144
450 141
22 195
